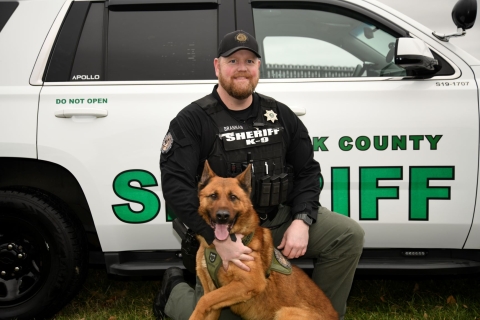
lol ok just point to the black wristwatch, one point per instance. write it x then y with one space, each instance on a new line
304 217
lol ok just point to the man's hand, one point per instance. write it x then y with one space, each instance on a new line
295 240
234 252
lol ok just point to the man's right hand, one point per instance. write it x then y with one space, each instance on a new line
235 252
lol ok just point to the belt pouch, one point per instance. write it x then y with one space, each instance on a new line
283 187
275 190
264 191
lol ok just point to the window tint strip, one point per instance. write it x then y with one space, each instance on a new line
61 60
128 2
88 64
6 11
226 18
244 16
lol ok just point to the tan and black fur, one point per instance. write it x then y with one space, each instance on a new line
251 295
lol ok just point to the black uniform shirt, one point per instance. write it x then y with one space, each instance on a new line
194 134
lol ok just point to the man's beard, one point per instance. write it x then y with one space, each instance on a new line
236 90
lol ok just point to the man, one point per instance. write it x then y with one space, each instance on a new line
234 126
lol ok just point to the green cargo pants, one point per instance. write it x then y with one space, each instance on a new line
335 243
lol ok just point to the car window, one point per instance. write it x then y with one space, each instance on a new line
323 42
161 42
89 58
135 43
306 58
6 11
63 53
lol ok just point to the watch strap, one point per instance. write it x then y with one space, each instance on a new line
304 217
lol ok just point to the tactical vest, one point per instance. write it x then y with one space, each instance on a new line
261 143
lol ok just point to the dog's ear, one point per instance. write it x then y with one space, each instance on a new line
245 179
207 174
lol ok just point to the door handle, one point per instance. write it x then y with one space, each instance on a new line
299 111
91 112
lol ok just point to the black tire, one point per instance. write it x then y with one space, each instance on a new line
46 243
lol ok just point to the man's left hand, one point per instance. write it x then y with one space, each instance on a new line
295 240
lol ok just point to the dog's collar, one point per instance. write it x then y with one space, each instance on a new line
247 239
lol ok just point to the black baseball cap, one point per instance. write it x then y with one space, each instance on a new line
235 41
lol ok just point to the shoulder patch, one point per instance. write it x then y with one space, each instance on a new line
167 143
281 259
280 263
214 262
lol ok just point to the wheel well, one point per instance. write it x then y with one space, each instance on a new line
51 178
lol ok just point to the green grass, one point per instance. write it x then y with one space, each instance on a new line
416 298
112 298
115 298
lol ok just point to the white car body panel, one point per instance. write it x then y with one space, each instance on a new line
18 100
96 150
353 105
473 241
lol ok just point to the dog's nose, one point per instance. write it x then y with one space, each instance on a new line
222 216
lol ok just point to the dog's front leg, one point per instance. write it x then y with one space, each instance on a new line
226 296
206 282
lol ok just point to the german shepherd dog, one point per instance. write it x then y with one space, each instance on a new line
261 293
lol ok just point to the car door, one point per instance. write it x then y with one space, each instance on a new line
398 154
119 72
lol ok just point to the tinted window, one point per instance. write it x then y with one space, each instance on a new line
323 43
63 54
89 59
447 69
135 42
6 11
160 42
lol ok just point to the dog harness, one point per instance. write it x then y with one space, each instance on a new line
278 264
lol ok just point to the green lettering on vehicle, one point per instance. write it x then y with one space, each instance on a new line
345 143
319 143
123 188
371 192
399 142
380 146
433 141
341 190
421 191
363 143
416 141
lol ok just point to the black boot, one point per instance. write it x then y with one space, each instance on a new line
171 278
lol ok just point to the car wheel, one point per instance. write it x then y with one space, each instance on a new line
43 254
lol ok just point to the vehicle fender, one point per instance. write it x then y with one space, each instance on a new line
473 240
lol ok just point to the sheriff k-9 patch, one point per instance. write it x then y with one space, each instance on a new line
245 139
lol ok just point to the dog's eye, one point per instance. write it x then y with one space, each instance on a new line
233 197
213 196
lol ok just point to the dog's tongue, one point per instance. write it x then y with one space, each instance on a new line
221 231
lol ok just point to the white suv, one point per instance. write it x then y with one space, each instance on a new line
88 88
